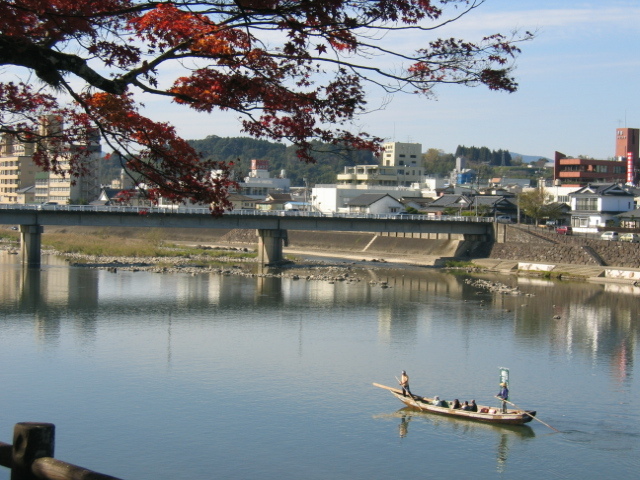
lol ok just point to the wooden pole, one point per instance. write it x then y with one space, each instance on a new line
527 413
31 441
399 392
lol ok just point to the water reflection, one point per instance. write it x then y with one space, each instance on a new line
582 319
503 436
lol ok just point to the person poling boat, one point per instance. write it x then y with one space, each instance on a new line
504 395
404 383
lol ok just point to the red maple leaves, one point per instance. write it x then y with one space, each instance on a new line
293 71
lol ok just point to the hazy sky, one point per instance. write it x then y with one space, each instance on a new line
579 81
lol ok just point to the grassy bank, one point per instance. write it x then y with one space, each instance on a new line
144 244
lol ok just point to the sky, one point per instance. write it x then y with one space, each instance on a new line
578 82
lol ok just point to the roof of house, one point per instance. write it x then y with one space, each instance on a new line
450 200
279 197
367 199
237 197
421 201
492 201
630 214
602 189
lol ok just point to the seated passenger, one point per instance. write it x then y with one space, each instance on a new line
456 404
474 407
437 402
466 406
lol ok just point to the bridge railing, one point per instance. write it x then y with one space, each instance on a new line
31 456
165 210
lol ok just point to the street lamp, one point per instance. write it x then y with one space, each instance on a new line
462 203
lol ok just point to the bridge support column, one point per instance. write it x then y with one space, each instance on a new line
270 245
30 244
500 232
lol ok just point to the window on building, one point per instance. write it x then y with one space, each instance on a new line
588 203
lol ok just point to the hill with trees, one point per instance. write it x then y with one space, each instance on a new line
239 151
484 155
331 160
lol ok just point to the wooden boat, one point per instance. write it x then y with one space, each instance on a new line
484 414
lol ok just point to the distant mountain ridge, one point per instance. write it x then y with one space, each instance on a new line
529 158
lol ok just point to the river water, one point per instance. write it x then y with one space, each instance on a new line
169 376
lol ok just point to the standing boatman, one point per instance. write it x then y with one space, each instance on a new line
504 395
404 383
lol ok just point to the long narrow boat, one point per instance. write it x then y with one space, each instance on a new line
484 414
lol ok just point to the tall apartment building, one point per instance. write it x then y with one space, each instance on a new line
400 165
397 154
18 171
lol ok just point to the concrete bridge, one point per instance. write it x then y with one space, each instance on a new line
271 227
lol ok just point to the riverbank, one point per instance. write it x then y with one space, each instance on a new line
313 256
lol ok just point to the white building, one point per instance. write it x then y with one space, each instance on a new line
372 203
397 154
336 198
259 183
595 205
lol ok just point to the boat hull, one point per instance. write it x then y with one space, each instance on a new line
424 404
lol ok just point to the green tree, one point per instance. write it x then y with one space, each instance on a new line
536 204
436 162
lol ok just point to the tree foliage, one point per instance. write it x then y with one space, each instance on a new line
331 159
536 204
292 70
484 155
437 162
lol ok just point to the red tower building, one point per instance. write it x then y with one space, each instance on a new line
627 148
624 168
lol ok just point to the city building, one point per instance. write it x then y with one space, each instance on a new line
597 205
18 171
375 203
627 149
398 154
259 183
274 201
623 168
578 172
400 165
329 198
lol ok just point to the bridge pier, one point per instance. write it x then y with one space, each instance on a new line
270 243
30 244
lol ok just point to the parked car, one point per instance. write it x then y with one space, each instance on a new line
564 230
610 236
630 237
503 219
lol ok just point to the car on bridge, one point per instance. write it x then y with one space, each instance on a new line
47 204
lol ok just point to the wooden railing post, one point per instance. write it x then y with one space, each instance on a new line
31 441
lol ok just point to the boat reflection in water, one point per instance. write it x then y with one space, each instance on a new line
506 434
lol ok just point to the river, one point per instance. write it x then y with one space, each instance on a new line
167 376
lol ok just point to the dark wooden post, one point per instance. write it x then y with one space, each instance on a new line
31 441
